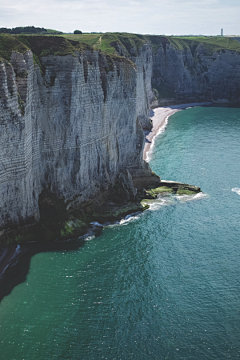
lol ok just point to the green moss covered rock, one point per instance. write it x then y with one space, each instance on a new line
153 193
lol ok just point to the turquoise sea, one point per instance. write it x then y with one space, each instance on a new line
164 284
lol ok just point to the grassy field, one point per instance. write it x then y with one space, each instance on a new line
213 44
107 42
90 39
43 45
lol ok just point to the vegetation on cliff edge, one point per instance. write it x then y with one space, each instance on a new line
113 44
108 42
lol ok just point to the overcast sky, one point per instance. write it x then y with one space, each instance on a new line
142 16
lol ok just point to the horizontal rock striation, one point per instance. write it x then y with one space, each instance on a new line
173 72
71 119
143 60
71 129
195 74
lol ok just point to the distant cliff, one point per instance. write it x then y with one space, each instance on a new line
189 69
196 74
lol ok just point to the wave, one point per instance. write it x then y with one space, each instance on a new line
88 237
198 196
156 204
174 199
165 201
236 190
95 223
129 218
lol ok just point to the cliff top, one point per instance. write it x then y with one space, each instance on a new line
211 43
107 42
39 44
44 45
67 44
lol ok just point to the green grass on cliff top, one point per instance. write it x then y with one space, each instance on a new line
211 43
9 43
40 45
67 44
107 42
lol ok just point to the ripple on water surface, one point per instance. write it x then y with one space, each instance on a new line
163 284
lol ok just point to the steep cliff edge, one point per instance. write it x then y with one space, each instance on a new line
72 116
181 69
70 128
196 71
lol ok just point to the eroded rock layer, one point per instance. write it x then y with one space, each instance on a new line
71 118
195 74
72 130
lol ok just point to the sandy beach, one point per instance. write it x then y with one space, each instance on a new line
159 118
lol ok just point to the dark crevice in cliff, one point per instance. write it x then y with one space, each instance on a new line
165 41
117 149
85 68
103 74
144 74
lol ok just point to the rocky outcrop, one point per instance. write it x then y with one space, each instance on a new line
171 187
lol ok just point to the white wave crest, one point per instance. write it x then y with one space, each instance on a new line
89 237
96 223
184 198
154 205
236 190
130 217
165 201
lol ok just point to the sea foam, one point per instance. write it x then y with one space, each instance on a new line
236 190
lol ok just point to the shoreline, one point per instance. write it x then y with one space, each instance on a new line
160 118
15 260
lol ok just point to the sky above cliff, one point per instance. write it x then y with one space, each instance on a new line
141 16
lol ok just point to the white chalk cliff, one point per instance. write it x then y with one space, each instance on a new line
75 125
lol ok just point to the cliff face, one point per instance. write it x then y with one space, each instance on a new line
143 60
72 125
177 70
194 74
72 130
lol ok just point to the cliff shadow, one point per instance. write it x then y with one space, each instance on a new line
15 260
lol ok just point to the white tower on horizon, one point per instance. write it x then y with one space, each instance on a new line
221 32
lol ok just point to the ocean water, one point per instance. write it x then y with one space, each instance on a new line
163 284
